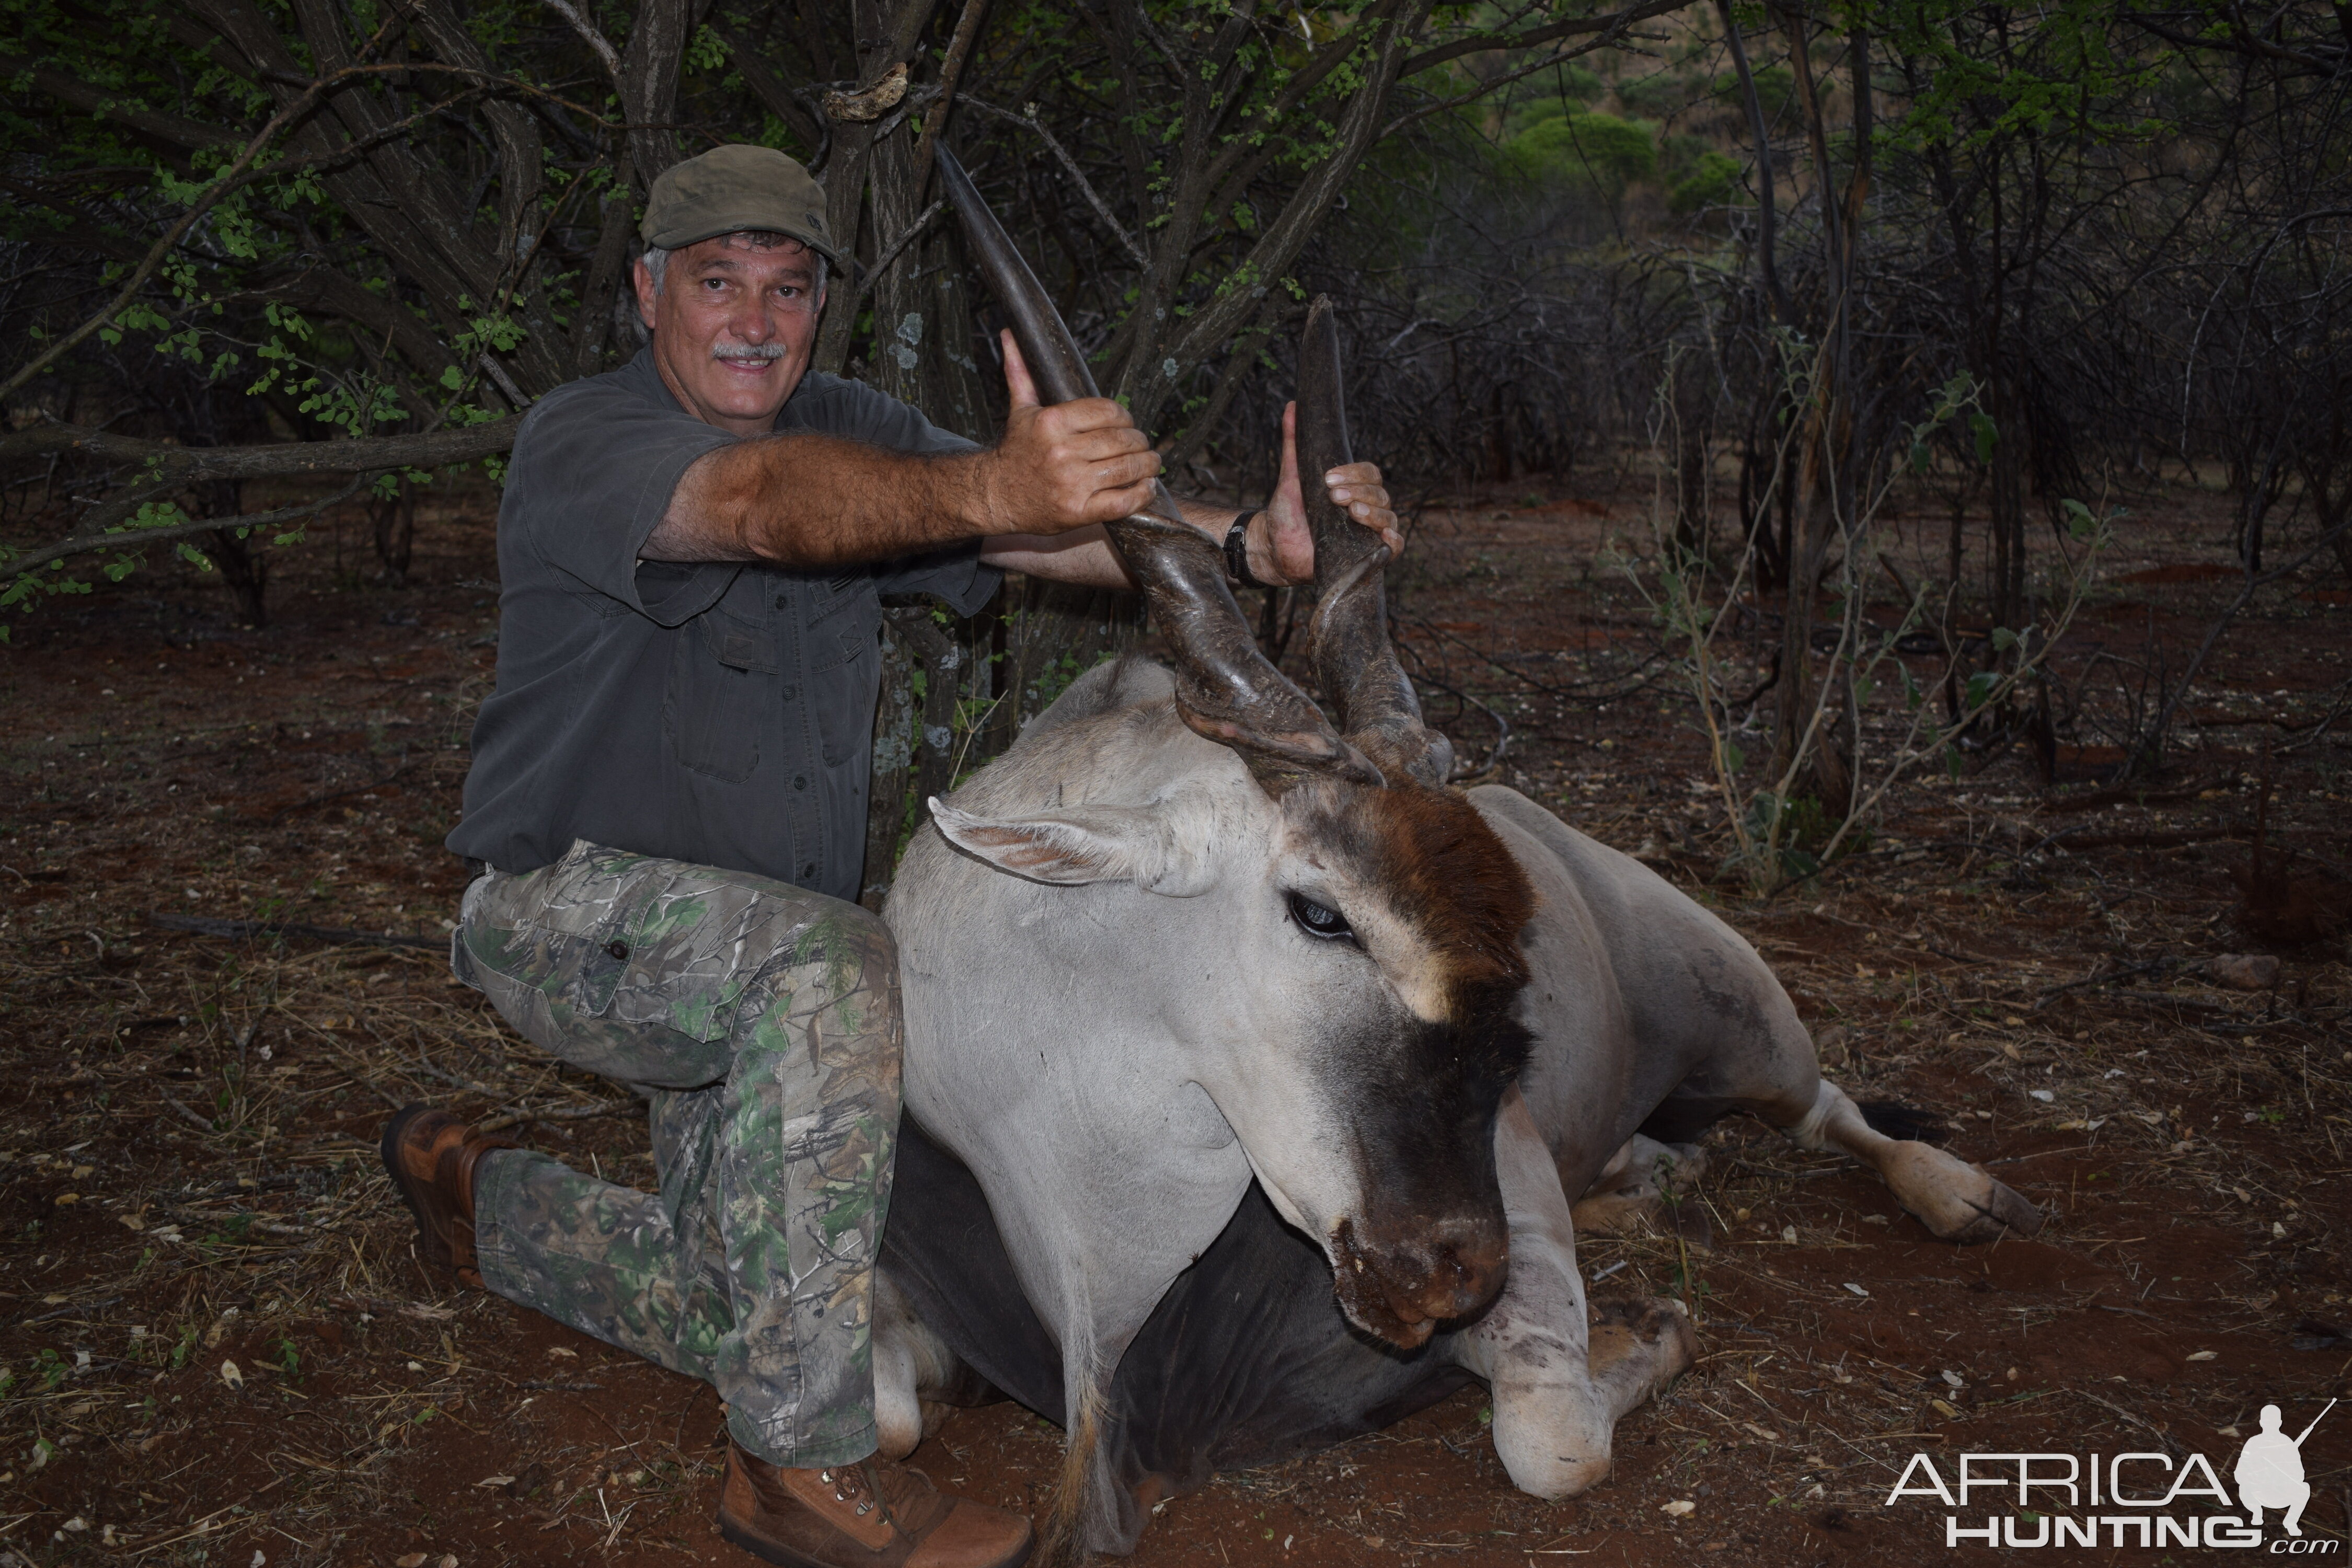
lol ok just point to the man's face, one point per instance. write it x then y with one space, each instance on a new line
733 327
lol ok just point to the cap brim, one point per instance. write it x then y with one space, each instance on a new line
680 239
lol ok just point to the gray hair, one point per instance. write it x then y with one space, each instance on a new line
657 259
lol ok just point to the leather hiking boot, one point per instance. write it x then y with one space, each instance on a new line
872 1514
431 1156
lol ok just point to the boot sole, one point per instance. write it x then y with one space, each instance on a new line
767 1551
430 1245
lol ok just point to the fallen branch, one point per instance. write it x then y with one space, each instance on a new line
69 1310
253 931
2128 796
283 812
110 535
198 1117
268 459
2154 966
557 1113
379 1307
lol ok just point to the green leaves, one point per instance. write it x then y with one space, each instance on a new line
2086 526
2050 71
153 514
1985 431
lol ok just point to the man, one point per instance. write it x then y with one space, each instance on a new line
667 805
2270 1472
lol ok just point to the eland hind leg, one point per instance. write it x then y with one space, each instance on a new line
1773 1075
1559 1383
1955 1201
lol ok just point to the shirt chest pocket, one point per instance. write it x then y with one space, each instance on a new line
844 667
724 697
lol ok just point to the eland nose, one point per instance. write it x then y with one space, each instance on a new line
1450 1273
1401 1286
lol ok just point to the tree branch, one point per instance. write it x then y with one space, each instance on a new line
240 173
100 104
873 275
1279 246
277 459
770 89
1070 165
132 538
605 54
967 33
1767 208
1481 42
219 187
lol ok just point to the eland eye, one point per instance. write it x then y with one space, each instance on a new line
1318 920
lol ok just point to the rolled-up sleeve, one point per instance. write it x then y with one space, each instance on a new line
601 467
955 577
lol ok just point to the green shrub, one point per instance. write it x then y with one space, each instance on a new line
1713 181
1656 95
1600 152
1776 89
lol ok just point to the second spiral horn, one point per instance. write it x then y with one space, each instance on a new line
1226 689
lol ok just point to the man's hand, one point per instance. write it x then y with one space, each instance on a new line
1062 468
1281 547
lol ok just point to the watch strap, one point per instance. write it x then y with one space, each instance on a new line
1237 554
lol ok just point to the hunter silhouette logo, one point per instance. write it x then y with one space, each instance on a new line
2159 1500
2269 1471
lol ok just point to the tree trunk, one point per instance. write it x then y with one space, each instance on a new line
245 572
2008 507
1693 405
1825 494
1826 775
395 522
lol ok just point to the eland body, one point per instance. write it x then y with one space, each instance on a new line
1198 1174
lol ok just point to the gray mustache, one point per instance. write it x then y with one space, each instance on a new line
749 352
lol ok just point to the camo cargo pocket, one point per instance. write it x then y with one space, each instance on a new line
627 965
546 948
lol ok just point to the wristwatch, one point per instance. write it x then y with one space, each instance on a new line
1237 554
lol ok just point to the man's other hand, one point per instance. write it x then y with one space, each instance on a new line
1282 549
1063 468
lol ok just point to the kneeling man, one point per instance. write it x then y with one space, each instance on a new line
666 814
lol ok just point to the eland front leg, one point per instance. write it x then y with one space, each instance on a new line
1559 1383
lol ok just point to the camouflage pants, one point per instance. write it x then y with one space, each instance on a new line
761 1021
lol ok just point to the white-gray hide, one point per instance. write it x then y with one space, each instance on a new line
1113 1019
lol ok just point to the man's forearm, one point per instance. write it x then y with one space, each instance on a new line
1083 556
811 501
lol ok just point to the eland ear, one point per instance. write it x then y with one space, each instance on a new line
1076 845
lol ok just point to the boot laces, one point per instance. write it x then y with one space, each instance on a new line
849 1486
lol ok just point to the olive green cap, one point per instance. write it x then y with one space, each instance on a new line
732 189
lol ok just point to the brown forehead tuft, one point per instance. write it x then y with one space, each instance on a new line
1446 871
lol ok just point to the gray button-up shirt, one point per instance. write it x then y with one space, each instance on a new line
718 713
